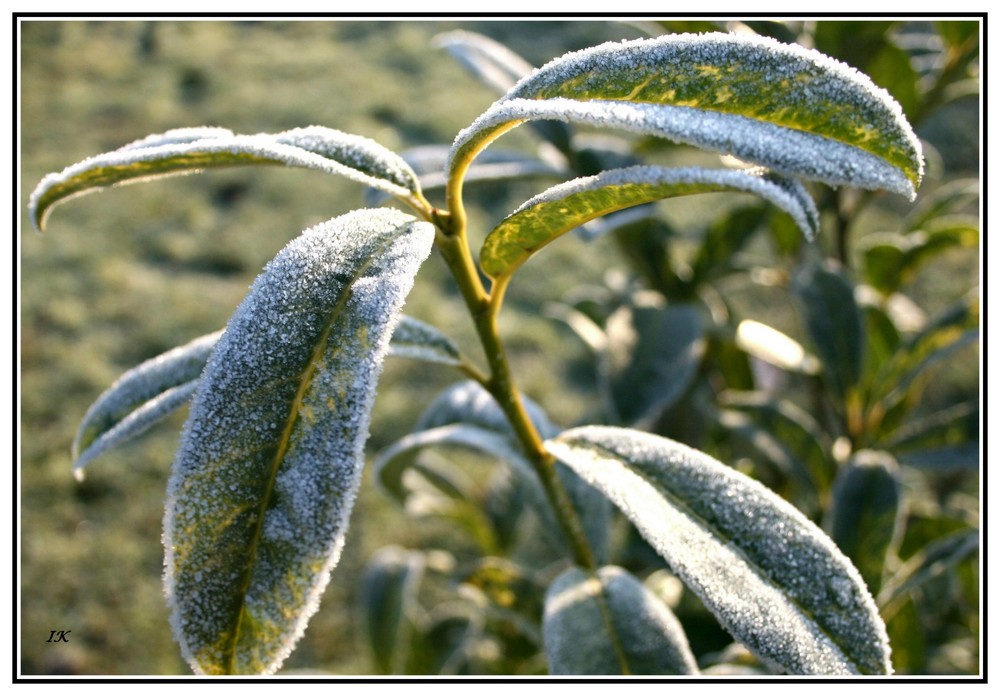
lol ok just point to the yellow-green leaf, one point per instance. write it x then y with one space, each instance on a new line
191 149
566 206
781 106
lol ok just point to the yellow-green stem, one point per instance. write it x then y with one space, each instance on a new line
452 242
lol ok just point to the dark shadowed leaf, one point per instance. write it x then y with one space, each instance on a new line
865 511
652 355
834 323
388 600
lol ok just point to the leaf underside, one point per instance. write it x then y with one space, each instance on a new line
271 455
192 149
784 107
773 579
139 398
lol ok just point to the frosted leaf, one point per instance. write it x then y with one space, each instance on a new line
770 576
786 151
139 398
271 456
153 390
421 341
499 68
184 151
562 208
759 78
634 632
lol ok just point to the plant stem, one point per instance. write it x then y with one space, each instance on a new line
453 244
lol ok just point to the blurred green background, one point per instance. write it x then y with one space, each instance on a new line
121 276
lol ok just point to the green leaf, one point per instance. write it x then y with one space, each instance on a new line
393 462
186 150
651 357
901 376
388 599
421 341
865 512
729 233
770 576
560 209
609 623
442 643
948 431
936 559
781 106
892 260
271 456
834 322
139 398
953 197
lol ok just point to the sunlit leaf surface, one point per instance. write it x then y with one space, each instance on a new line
192 149
770 576
560 209
778 105
271 456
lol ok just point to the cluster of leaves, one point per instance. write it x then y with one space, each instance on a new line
271 456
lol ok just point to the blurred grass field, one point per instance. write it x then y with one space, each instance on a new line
123 275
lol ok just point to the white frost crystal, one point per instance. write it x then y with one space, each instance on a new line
272 453
770 576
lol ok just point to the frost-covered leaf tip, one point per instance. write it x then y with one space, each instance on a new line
188 150
271 455
784 107
139 398
770 576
